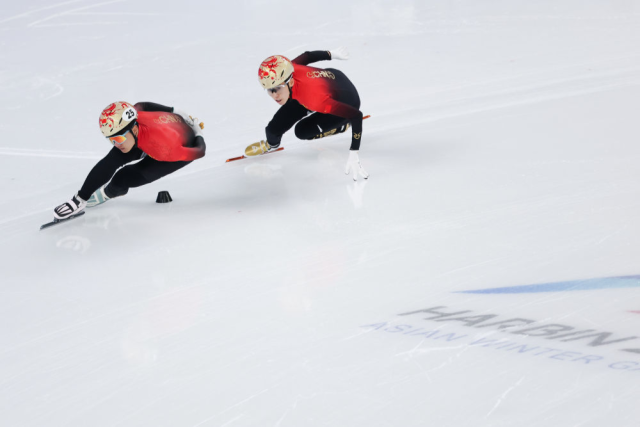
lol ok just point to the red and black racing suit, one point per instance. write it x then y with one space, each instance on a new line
327 93
165 143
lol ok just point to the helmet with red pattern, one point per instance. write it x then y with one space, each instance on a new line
117 118
275 71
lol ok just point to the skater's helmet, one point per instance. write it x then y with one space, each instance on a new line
275 71
117 118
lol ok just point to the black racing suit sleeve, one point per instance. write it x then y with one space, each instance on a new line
199 147
341 109
105 168
313 56
284 119
152 106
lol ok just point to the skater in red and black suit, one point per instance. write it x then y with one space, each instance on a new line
165 139
327 94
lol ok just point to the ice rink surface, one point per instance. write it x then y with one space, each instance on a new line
485 274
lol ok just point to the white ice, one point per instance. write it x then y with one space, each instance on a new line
503 151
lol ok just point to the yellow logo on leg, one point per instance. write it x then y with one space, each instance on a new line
327 133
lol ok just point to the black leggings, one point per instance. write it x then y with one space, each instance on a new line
318 125
145 171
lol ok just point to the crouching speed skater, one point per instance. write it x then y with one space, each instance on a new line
323 102
162 138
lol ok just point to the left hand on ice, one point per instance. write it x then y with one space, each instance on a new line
354 166
339 53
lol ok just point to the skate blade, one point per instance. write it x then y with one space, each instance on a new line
233 159
60 221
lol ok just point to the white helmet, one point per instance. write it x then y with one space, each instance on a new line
274 71
117 118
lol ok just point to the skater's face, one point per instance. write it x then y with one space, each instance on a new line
124 142
280 94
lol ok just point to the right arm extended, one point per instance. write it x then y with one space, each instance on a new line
283 120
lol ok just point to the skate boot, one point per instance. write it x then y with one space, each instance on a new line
258 148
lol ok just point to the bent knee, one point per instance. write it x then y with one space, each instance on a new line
303 131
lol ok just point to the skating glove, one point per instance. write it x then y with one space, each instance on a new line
339 53
193 122
354 167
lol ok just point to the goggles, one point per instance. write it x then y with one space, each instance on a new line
117 139
121 138
277 88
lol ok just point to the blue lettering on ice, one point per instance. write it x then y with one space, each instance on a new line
501 344
450 337
574 285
